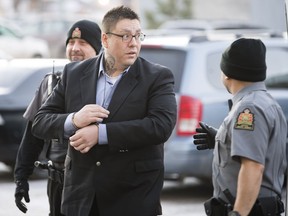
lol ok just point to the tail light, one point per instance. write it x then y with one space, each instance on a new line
190 113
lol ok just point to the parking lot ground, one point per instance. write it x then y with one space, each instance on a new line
181 199
178 198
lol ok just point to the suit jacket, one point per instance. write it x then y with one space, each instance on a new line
125 176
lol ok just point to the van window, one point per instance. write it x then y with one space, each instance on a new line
213 69
171 58
277 67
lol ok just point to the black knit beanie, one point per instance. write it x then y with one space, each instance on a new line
244 60
87 30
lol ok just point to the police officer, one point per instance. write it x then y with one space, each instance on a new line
83 42
249 154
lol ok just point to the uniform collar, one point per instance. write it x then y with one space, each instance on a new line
257 86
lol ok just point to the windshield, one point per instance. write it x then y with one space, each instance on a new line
9 32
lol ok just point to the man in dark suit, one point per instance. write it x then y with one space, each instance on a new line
115 111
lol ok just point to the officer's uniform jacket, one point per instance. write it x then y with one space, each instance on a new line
256 129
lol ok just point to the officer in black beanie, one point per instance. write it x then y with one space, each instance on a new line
83 42
88 31
250 146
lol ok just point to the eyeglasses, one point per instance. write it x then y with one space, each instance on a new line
127 38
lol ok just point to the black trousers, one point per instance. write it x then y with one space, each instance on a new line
54 191
94 209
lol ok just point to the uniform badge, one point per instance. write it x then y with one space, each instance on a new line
76 33
245 120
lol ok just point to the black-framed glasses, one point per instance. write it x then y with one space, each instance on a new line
128 37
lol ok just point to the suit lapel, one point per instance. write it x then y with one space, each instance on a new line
88 83
126 85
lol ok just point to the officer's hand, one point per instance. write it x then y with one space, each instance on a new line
205 138
22 188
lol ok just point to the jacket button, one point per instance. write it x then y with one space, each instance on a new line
98 163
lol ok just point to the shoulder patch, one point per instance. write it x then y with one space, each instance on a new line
245 120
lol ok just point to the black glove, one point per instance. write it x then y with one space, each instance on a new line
22 188
205 138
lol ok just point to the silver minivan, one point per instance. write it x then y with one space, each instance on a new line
195 62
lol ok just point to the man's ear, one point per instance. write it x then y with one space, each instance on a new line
104 39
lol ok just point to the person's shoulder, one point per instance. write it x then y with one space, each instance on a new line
256 102
46 77
76 69
57 74
54 73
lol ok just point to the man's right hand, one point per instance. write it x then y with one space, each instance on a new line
22 188
205 138
89 114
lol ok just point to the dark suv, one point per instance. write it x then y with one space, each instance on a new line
195 62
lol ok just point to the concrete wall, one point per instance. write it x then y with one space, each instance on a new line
269 13
221 9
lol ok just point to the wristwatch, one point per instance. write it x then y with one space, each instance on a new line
233 213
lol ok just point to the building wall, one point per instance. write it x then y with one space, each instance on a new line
221 9
269 13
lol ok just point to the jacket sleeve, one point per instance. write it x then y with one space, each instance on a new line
28 152
52 114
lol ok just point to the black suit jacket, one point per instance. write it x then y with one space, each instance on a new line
125 176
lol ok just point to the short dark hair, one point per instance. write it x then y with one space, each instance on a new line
113 16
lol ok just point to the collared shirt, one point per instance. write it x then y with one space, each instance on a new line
255 128
106 86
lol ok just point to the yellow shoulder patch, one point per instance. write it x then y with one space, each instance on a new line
245 120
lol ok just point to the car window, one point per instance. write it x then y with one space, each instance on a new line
278 81
171 58
7 32
29 85
283 103
277 68
213 71
11 77
276 59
